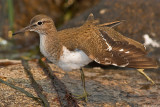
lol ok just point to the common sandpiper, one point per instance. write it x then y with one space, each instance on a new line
74 48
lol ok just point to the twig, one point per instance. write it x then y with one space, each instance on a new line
6 62
65 97
35 85
21 90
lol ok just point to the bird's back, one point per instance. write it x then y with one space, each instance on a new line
106 46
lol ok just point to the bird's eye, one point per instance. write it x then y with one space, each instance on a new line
39 23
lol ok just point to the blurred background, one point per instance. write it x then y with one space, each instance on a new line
142 21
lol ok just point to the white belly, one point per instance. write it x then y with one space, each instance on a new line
73 59
69 59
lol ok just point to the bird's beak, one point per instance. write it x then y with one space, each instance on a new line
22 30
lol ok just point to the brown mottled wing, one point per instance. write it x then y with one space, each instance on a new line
126 54
94 46
116 36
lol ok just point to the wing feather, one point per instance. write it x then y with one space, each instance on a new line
124 52
106 46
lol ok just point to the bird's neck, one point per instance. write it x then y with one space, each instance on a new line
49 44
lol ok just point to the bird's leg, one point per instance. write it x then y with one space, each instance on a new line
85 94
143 73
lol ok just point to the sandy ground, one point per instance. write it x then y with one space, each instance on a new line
106 87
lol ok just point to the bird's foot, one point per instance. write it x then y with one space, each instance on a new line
83 96
148 78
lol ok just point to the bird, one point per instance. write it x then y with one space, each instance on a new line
73 48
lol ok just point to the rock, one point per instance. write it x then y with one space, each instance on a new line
106 87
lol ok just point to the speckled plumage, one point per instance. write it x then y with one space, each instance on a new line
99 42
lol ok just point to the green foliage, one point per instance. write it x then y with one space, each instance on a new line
10 13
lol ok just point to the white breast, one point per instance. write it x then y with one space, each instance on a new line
43 49
73 59
42 45
69 59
